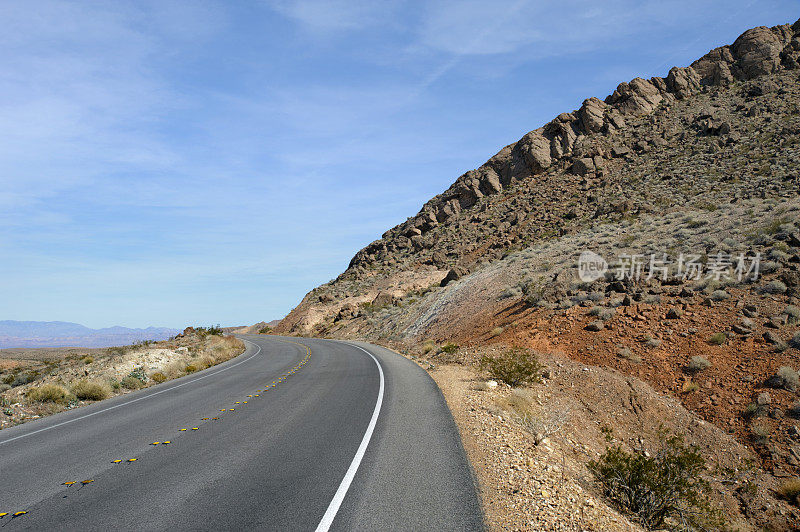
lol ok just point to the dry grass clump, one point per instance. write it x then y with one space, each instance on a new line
717 338
90 390
158 377
790 490
223 348
48 393
131 383
697 364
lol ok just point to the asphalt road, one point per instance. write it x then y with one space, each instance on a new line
350 437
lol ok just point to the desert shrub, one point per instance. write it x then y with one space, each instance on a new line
428 346
514 291
174 369
778 255
449 348
603 313
191 368
8 379
138 373
115 385
770 267
48 393
775 287
761 433
24 378
206 361
131 383
87 359
514 366
265 330
497 331
717 338
118 350
158 377
790 490
752 410
4 387
542 423
90 390
534 293
213 330
652 299
652 342
690 387
794 341
697 364
792 313
786 378
719 295
627 354
653 489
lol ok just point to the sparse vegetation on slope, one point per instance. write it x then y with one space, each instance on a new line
42 388
666 488
514 367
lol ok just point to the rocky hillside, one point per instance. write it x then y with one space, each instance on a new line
685 190
718 131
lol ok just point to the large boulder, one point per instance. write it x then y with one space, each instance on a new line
757 52
535 148
683 82
384 299
591 115
710 66
454 274
561 131
637 97
583 166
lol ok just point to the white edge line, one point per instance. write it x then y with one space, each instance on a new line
338 497
148 396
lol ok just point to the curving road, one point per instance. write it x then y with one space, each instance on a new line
350 437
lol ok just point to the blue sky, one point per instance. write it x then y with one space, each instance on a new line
171 163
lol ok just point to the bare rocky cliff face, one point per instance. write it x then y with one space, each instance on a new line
611 158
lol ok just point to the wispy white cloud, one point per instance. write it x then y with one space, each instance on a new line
335 15
190 151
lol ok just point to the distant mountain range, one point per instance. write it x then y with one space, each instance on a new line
66 334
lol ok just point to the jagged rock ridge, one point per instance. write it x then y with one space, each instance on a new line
758 51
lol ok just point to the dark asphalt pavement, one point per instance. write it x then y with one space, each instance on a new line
279 460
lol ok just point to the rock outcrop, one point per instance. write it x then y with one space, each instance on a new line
757 52
569 167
